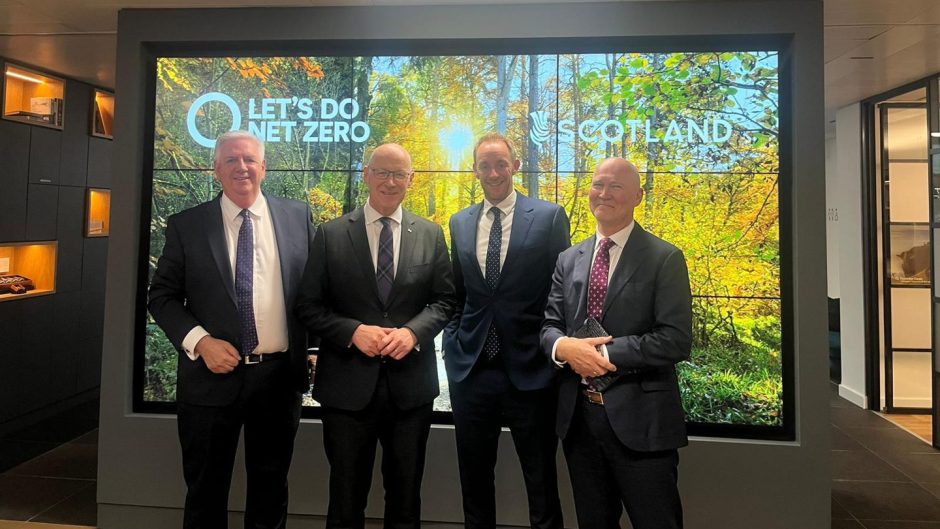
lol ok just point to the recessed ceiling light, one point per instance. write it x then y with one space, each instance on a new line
24 77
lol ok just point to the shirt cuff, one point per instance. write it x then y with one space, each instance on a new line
555 348
191 339
603 350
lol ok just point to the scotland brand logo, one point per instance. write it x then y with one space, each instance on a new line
538 132
619 128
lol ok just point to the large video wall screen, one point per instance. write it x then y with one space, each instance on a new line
703 127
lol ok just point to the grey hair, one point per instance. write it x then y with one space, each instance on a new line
236 135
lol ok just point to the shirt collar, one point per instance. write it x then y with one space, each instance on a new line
230 210
505 206
371 215
619 238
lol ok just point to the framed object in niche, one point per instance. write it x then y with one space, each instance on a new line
27 269
102 114
33 97
98 213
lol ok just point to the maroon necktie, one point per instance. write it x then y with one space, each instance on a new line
597 287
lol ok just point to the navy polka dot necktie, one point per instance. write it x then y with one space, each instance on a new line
597 287
385 263
491 344
244 276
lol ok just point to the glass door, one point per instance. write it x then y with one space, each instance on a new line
908 299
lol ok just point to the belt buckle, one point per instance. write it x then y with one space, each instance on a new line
594 397
249 362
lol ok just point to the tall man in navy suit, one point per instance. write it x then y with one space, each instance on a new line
223 292
377 289
503 252
621 443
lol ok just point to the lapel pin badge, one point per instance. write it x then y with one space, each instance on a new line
409 230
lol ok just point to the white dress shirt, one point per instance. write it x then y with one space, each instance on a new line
374 229
619 240
267 283
506 207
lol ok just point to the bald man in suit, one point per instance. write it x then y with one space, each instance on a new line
621 441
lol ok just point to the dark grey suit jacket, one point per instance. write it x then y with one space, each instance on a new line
193 286
338 293
517 305
648 311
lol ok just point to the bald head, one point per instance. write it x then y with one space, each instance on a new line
388 177
615 192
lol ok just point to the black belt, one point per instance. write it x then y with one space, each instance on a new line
252 359
594 397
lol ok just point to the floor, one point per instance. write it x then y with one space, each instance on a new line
883 477
49 472
920 425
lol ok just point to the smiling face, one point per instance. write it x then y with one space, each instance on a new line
240 169
615 192
388 177
494 166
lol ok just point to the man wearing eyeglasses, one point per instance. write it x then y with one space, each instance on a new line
504 251
377 289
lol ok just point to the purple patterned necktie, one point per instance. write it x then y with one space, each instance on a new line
491 343
244 275
384 270
597 288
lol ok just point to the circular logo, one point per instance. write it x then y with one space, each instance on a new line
202 100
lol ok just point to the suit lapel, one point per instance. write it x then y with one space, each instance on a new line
521 222
215 233
468 232
357 236
581 273
631 257
406 249
279 221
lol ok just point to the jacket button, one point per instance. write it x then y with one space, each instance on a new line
385 315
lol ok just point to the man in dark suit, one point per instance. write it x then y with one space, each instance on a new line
503 252
377 289
621 443
222 292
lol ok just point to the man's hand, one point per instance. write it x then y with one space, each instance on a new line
370 339
398 343
220 356
582 356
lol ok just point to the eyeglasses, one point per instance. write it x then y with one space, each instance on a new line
397 175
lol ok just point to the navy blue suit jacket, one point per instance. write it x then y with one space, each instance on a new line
517 305
193 286
648 312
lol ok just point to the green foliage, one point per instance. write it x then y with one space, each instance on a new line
160 359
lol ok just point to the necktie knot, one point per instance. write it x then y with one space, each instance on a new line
605 244
496 213
245 214
386 222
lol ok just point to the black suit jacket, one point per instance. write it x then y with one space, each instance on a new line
517 305
648 311
338 293
193 286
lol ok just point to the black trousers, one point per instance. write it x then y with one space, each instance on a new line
484 402
606 477
269 409
349 438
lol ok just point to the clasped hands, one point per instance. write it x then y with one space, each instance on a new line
583 356
394 343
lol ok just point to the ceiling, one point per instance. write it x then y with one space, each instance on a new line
870 45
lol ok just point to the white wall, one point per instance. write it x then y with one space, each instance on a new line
848 182
832 219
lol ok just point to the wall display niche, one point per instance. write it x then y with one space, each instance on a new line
102 118
27 269
98 213
33 97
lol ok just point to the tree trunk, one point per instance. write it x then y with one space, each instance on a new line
532 162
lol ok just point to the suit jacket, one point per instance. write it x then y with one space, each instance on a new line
193 285
517 305
648 311
338 293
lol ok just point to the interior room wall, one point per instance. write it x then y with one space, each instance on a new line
733 484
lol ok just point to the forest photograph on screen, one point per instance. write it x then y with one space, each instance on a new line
702 127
